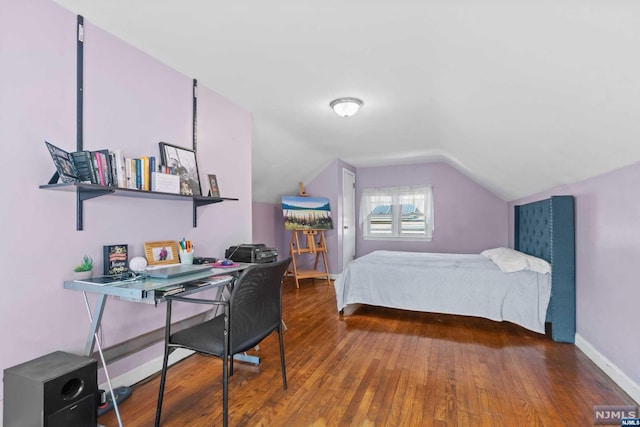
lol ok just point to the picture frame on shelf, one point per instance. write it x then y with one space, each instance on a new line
184 162
161 252
214 190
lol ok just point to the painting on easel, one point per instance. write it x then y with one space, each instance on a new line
306 213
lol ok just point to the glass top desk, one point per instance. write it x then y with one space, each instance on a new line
149 291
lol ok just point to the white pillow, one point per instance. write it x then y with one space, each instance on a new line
538 264
510 260
507 259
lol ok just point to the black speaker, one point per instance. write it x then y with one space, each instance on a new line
56 390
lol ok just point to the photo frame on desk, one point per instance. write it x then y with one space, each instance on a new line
115 259
185 164
214 190
162 252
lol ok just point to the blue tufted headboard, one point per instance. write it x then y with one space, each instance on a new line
545 229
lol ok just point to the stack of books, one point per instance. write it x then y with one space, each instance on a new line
113 169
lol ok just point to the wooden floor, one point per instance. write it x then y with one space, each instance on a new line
384 367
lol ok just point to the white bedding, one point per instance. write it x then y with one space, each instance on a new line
463 284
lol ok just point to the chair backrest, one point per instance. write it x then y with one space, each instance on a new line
256 304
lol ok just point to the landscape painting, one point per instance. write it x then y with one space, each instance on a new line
306 213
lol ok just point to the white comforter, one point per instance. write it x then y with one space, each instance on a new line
469 285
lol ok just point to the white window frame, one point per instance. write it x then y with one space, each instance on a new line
366 202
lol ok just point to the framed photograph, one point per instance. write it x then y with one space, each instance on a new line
183 162
165 252
214 190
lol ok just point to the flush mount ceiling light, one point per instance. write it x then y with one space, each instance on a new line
346 107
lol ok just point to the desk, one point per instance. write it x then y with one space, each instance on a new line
152 291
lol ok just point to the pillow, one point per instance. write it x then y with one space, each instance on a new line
510 260
538 265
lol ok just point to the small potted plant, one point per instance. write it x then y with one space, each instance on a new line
84 270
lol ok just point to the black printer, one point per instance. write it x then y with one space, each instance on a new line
251 252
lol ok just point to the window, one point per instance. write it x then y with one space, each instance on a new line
397 213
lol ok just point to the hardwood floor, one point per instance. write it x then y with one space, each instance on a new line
384 367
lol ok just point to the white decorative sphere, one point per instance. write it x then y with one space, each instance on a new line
138 264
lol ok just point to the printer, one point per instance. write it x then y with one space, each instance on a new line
251 252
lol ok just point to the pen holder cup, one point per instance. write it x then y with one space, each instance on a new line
186 257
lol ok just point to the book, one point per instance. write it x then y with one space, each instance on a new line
138 174
115 259
152 167
84 166
97 160
127 167
165 183
114 172
106 166
65 168
145 173
120 168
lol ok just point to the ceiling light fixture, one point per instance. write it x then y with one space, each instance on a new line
346 107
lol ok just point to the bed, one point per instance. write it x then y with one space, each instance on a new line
474 284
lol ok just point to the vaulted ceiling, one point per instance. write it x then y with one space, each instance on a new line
521 96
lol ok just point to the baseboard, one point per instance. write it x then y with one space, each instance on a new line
609 368
144 371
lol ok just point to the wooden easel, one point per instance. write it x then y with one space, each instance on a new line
313 247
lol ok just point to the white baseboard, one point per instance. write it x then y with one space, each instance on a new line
609 368
144 371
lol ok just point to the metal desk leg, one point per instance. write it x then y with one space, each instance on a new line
96 318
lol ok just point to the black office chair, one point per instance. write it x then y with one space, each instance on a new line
253 312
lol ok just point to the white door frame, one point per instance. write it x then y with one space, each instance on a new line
348 216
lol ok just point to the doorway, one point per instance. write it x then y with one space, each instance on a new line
348 217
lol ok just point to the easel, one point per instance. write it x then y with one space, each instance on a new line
319 248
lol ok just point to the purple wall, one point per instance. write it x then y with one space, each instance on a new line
607 216
132 102
468 218
268 226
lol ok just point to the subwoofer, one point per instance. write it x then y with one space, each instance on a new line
56 390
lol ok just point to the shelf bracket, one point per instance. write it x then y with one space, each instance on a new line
86 195
203 202
195 214
81 196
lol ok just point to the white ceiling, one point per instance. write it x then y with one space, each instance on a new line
522 96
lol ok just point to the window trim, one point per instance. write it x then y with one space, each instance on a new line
395 193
